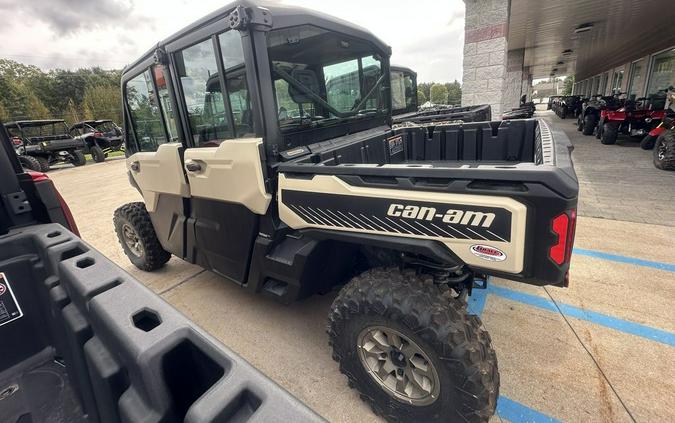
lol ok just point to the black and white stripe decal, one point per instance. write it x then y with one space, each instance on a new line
370 213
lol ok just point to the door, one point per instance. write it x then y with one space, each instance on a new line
156 166
223 163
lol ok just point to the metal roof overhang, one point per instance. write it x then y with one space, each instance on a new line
622 31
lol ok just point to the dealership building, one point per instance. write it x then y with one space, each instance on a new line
625 46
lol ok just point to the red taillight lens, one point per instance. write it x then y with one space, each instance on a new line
563 226
98 134
17 141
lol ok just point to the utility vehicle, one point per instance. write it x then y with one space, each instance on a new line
591 108
41 143
635 118
406 111
406 220
83 341
100 137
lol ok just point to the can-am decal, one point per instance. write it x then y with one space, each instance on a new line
488 253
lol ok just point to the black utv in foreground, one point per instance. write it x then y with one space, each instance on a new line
41 143
83 341
100 137
261 141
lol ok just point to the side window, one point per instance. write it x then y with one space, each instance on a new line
145 117
398 100
165 101
410 93
198 72
235 76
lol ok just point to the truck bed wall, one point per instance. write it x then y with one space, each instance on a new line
510 142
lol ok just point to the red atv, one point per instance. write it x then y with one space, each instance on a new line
636 118
667 122
664 150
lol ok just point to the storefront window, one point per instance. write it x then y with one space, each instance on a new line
662 74
636 76
603 84
617 80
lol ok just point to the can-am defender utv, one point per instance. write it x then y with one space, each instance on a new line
259 160
100 137
406 111
41 143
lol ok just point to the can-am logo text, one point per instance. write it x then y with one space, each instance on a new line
461 217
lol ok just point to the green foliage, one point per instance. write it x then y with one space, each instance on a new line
454 92
439 94
27 92
421 98
569 84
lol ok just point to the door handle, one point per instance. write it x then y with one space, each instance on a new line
135 166
193 166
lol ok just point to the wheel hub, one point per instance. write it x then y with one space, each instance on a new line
398 365
132 240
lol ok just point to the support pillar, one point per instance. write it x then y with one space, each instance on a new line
485 30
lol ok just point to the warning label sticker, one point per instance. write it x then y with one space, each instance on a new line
9 307
395 144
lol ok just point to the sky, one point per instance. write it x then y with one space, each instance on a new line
111 33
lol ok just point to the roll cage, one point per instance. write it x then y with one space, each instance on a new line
253 21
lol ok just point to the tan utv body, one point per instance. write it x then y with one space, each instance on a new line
261 141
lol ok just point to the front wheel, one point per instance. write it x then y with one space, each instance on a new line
78 158
589 125
137 236
30 163
664 151
610 131
97 154
412 354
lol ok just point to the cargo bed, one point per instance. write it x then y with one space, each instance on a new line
517 175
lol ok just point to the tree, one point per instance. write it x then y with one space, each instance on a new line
439 94
35 109
569 84
103 102
421 98
4 114
454 92
72 114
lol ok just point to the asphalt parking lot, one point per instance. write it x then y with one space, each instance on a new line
601 350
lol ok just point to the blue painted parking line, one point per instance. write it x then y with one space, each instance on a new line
519 413
624 259
621 325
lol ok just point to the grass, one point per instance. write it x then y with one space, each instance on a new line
111 154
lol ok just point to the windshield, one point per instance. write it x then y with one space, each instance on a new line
323 77
104 126
403 93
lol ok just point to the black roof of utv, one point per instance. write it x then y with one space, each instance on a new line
394 68
89 122
30 123
282 16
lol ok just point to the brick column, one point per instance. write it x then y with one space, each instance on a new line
485 30
514 79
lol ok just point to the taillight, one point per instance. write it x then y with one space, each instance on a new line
17 141
70 220
98 134
563 226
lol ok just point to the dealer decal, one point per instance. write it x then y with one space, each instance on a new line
10 309
488 253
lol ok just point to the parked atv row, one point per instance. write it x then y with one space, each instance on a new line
43 143
566 106
651 118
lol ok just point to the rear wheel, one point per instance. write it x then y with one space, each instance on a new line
30 163
137 236
78 158
412 354
97 154
610 131
580 123
589 125
44 163
664 151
